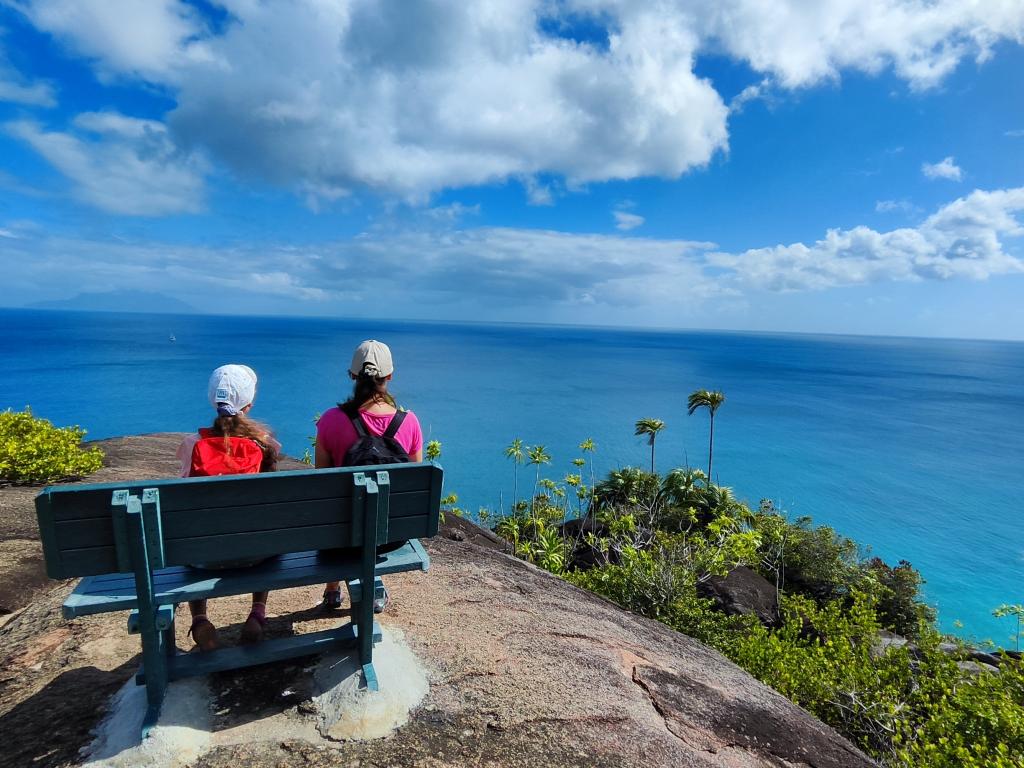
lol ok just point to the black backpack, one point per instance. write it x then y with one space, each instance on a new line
371 449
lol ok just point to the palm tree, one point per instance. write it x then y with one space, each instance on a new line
651 428
702 398
515 452
539 456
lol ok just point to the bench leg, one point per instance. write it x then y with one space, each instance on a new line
154 660
154 645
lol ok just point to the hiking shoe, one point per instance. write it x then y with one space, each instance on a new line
252 630
380 603
332 599
204 635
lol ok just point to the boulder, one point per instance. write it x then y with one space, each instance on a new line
743 592
524 669
887 640
583 555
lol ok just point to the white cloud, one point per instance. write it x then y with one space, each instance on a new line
132 168
962 239
452 212
626 221
896 206
944 169
449 272
151 39
1015 134
32 94
410 98
17 89
801 43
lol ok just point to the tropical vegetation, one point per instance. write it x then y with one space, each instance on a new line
712 400
650 428
652 542
32 450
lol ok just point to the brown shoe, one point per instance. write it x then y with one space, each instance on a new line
204 634
252 630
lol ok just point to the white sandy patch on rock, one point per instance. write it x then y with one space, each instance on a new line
342 710
181 735
348 711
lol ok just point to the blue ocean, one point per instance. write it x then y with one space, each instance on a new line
912 446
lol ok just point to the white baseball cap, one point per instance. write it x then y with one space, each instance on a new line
232 387
372 357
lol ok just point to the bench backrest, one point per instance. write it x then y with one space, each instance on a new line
209 519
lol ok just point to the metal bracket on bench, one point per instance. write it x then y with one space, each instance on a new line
355 590
384 493
164 619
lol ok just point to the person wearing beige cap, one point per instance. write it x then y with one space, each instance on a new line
341 433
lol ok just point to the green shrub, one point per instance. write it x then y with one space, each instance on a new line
32 450
898 606
812 560
909 707
649 583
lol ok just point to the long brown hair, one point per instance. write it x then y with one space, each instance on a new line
240 425
367 390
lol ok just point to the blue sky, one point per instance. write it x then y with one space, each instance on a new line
838 166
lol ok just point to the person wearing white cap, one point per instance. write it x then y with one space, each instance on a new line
234 445
370 411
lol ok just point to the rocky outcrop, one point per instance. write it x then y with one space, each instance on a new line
525 670
742 592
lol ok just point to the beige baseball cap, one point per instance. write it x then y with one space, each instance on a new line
372 357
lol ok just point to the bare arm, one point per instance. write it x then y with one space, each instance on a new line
323 458
417 456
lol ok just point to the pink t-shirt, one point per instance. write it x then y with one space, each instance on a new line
335 433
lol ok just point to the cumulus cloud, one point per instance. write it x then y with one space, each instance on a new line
150 40
120 164
962 239
411 97
944 169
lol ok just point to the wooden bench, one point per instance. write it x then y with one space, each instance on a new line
134 542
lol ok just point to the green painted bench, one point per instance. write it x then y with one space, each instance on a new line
132 543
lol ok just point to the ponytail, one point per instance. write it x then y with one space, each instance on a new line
367 389
240 425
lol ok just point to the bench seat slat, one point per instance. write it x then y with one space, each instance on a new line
99 595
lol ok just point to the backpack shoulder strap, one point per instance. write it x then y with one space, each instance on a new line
396 422
360 426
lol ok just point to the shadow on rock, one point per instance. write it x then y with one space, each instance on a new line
70 705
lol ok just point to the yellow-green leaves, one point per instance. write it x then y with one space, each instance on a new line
32 450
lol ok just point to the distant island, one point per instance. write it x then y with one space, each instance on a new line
149 302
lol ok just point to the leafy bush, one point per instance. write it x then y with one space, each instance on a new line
814 561
32 450
652 539
898 605
649 583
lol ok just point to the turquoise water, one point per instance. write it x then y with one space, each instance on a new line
913 446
